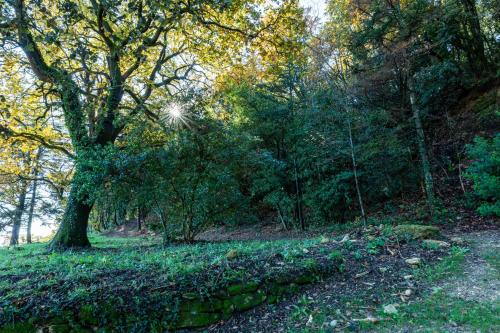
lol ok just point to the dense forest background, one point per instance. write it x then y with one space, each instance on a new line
183 116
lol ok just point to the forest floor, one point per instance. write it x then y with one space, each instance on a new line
461 293
454 289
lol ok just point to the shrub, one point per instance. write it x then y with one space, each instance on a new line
485 174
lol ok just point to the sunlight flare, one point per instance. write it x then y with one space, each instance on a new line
176 114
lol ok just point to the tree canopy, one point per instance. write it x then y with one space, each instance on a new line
197 113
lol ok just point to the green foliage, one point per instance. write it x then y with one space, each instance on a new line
484 171
302 308
450 265
302 158
358 255
375 245
336 256
186 181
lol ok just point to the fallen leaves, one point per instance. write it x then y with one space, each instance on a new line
390 309
414 261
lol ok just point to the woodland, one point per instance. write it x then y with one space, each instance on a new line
249 166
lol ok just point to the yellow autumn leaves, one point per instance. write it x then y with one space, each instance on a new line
24 121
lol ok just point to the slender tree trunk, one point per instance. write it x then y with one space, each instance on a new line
188 229
73 229
426 168
139 218
281 217
460 176
18 214
164 223
300 214
32 208
33 196
355 172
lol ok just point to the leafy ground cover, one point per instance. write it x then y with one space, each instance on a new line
453 291
376 269
360 282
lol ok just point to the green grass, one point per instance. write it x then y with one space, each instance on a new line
37 267
133 271
29 271
492 256
440 313
450 265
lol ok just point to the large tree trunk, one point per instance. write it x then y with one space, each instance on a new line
73 229
475 46
18 214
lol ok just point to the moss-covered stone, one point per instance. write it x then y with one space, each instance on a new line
228 307
277 289
197 319
199 305
416 231
244 301
434 244
241 288
231 254
305 278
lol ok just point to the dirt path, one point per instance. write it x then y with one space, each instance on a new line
478 284
480 280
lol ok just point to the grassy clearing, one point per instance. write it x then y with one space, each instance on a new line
138 275
33 268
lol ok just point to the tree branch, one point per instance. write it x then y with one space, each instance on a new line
8 132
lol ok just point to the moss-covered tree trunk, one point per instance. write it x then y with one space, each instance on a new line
93 121
73 229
